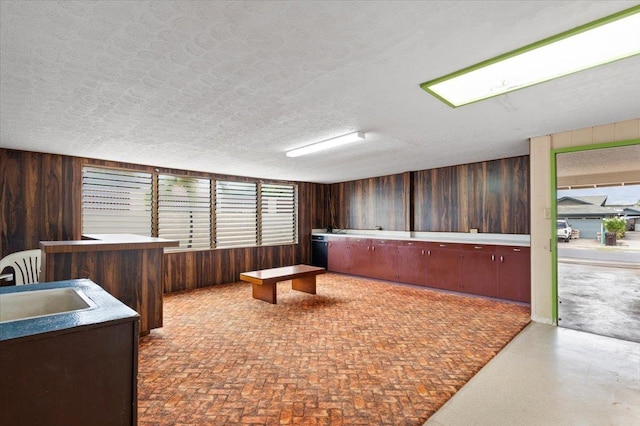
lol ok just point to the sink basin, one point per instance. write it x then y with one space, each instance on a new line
40 303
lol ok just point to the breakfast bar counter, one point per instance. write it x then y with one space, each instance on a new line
128 266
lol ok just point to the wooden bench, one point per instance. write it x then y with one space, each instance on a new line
303 278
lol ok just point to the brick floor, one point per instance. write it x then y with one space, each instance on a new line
360 352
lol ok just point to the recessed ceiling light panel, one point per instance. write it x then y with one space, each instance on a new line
606 40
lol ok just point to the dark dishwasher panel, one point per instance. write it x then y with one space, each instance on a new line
319 247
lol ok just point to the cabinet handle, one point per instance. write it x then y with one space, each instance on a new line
429 252
501 259
368 248
516 249
443 245
423 252
373 248
493 257
478 247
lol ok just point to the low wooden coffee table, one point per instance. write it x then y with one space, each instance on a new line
303 278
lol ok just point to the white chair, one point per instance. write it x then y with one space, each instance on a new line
26 266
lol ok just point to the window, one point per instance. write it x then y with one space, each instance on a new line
116 201
236 214
184 210
200 213
278 214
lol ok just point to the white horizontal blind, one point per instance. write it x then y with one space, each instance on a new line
184 210
116 201
236 214
278 214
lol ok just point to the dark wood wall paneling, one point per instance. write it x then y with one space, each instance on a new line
367 203
193 269
492 196
39 199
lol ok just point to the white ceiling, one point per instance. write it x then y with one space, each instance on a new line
599 167
228 87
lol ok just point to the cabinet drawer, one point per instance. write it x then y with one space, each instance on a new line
513 249
444 246
479 248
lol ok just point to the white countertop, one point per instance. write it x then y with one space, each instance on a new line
521 240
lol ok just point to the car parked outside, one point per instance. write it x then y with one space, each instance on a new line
564 230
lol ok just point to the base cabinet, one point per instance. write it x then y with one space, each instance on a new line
412 263
384 260
443 265
478 270
360 252
338 258
487 270
514 273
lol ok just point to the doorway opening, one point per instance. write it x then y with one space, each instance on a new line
597 272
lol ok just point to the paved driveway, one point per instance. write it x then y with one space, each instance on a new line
600 299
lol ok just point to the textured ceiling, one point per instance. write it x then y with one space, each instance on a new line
228 87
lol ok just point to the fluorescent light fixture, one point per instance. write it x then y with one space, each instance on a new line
596 43
329 143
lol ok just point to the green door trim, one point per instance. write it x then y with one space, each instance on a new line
554 211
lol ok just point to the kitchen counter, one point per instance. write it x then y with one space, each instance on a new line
519 240
129 267
102 242
107 310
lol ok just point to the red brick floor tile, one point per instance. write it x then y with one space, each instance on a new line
360 352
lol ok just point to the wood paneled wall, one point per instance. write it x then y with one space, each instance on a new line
193 269
492 196
367 203
40 199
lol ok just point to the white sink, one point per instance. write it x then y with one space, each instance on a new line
40 303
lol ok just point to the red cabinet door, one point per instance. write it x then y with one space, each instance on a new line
514 273
384 260
338 255
412 263
360 254
478 271
443 264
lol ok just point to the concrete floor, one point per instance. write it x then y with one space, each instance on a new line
600 300
551 376
560 376
599 287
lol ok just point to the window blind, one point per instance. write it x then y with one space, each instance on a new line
116 201
184 210
278 214
236 214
